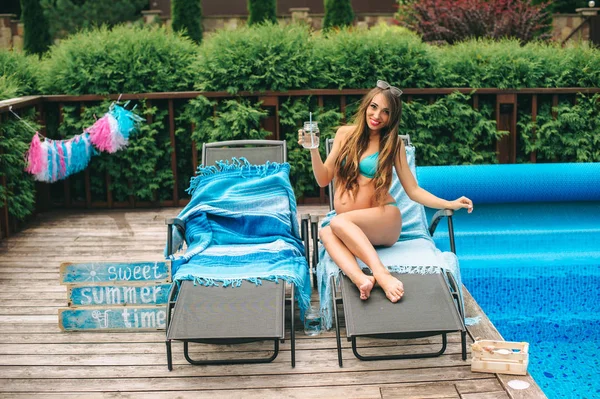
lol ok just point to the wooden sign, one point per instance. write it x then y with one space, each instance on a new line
113 272
112 318
99 295
115 295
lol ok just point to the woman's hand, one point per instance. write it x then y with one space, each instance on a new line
300 138
462 202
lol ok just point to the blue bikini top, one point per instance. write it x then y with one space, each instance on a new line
368 165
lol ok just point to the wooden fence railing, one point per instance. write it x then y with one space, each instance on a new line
505 114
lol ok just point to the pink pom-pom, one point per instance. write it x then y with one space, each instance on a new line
101 135
37 156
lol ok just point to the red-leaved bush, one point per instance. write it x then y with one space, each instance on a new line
452 21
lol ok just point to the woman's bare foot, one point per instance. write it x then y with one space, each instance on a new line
393 288
365 286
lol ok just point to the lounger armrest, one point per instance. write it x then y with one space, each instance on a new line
314 233
304 234
180 226
435 220
455 291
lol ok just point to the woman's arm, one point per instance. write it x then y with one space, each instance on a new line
325 171
417 194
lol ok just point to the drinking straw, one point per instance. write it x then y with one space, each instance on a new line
312 143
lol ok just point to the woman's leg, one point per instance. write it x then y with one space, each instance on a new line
346 261
359 230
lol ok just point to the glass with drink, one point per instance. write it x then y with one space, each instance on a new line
310 135
312 321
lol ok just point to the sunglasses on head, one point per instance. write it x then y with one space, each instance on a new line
382 84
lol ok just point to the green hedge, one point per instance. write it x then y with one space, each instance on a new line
17 74
446 130
572 135
263 57
119 60
506 64
20 190
357 58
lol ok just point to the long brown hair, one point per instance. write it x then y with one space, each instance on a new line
350 154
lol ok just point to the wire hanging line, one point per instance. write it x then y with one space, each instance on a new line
24 121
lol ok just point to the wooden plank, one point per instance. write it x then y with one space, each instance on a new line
25 319
486 395
363 392
112 318
473 386
42 335
113 272
426 391
442 388
154 365
254 381
79 344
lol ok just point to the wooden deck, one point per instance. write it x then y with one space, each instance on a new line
38 360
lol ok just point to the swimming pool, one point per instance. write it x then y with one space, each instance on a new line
556 310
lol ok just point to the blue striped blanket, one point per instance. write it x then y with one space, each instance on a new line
241 225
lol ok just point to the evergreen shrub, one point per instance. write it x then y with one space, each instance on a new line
260 11
66 17
187 18
567 133
263 57
17 74
36 35
120 60
14 142
357 58
338 14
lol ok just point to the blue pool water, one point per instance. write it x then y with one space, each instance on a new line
556 310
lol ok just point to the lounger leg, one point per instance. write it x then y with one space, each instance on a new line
402 356
293 325
463 338
231 361
169 357
337 322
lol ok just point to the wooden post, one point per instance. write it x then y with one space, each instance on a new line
155 201
66 181
86 173
271 122
506 119
534 110
194 151
42 189
173 152
4 216
322 199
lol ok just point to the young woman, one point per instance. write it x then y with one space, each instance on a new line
361 162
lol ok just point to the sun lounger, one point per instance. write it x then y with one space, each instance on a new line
432 303
200 310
